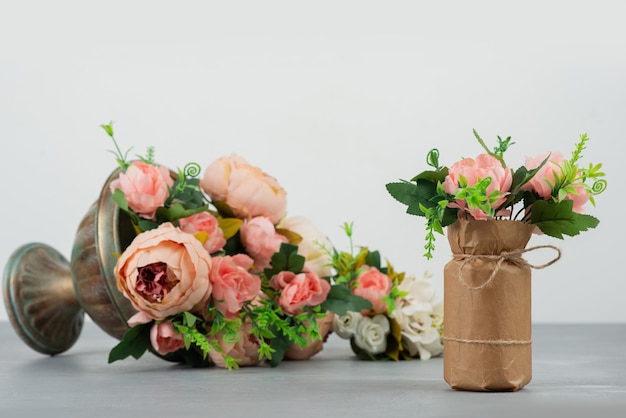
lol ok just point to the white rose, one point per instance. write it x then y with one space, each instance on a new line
371 334
420 293
420 335
346 325
419 318
312 245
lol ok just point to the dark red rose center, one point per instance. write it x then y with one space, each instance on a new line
153 282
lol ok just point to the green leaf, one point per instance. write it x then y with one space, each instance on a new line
189 318
292 237
194 358
373 259
108 129
432 176
177 211
279 344
340 300
286 259
233 245
413 195
229 226
146 224
558 219
135 343
120 199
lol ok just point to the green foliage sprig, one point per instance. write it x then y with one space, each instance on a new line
185 197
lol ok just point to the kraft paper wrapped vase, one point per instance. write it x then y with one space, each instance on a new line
487 306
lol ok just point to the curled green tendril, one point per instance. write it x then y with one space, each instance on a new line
432 158
599 186
192 170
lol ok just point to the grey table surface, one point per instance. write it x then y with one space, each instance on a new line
578 370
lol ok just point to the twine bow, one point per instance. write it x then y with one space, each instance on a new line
514 257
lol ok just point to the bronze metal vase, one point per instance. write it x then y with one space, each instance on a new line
46 296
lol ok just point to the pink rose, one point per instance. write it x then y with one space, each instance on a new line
548 175
247 190
312 245
165 271
165 339
246 350
232 284
207 223
261 241
145 187
482 167
373 285
299 290
540 182
324 324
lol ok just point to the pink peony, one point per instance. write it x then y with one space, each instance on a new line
246 350
299 290
247 190
261 241
373 285
232 284
145 187
482 167
540 182
165 339
165 271
207 223
547 176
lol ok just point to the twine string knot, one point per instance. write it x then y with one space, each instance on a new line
513 257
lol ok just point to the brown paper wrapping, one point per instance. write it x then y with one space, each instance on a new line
487 307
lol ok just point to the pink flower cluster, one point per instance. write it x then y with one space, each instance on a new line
182 266
486 166
542 183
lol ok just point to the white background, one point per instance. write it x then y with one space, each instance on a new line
333 98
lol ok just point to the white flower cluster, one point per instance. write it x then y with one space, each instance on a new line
419 317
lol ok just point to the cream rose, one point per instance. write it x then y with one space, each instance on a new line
165 271
313 245
247 190
371 334
346 325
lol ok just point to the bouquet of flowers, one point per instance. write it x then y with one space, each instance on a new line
549 191
491 211
402 322
217 273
